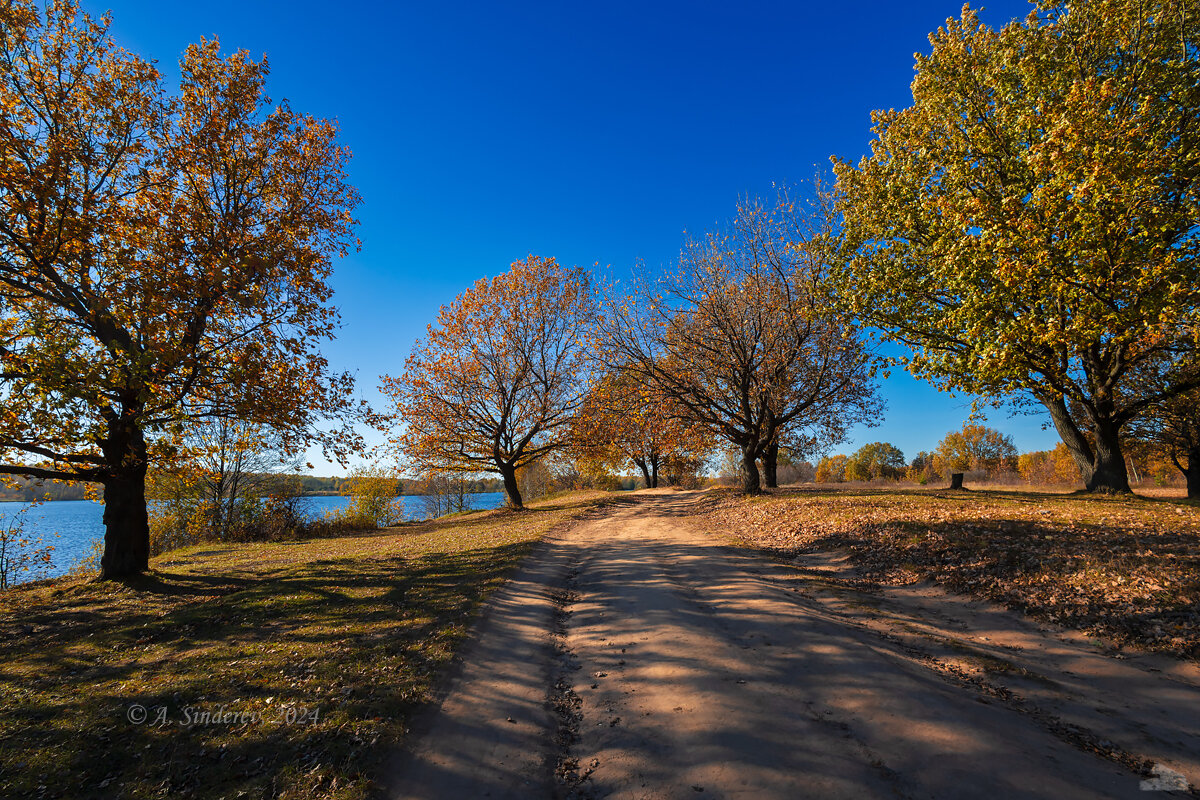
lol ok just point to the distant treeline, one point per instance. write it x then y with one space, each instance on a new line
29 490
317 485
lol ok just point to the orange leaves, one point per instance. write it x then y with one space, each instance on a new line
624 418
495 382
162 257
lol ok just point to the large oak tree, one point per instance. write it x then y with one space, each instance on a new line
497 380
162 258
741 336
1029 225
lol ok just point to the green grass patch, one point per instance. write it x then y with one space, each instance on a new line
280 670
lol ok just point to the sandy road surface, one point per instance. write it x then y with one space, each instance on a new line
639 656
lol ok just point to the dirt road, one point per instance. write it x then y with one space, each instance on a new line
638 655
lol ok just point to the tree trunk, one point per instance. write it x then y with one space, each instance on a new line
645 472
1192 473
750 483
771 465
654 472
956 479
1101 467
511 489
126 524
1108 463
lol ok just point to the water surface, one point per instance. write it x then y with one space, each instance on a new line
71 526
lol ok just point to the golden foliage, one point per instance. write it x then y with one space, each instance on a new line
1028 225
974 448
624 419
495 383
162 257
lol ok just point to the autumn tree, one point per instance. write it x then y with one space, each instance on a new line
1173 429
162 258
624 419
741 336
225 466
831 469
875 460
1048 467
1028 225
975 447
495 383
921 469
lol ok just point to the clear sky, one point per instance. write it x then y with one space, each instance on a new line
592 132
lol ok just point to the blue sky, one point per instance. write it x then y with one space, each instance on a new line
595 133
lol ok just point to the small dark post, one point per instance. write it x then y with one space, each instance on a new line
956 480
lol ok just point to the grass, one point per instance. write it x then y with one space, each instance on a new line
308 658
1123 568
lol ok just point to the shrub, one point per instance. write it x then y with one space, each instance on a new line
22 556
922 470
373 499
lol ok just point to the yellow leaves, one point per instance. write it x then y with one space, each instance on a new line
1031 184
174 287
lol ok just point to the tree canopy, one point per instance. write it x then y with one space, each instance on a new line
625 419
162 258
975 447
875 460
741 335
1028 225
497 380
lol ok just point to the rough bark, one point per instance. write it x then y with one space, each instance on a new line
641 463
654 472
770 463
1101 464
1108 462
512 489
1192 473
126 523
750 481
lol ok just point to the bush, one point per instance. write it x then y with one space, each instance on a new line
922 470
179 519
374 502
22 556
796 472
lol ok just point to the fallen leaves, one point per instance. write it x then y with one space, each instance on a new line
1124 569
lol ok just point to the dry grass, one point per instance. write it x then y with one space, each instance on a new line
1127 569
332 643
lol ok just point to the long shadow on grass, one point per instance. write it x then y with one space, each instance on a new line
356 642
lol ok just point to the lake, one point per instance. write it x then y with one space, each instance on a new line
72 525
